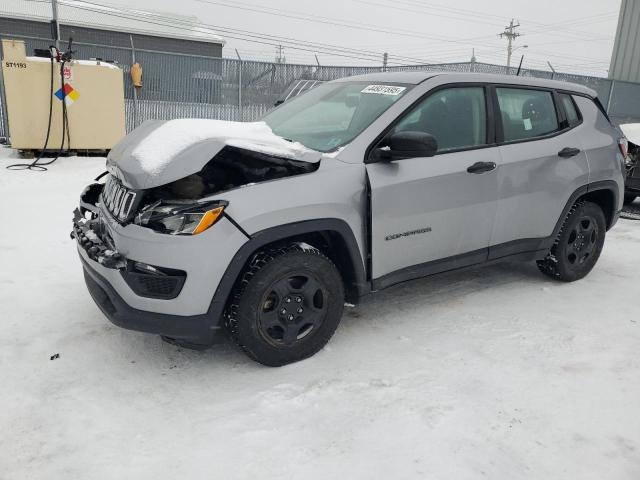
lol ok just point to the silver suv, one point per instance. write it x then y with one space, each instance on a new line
267 228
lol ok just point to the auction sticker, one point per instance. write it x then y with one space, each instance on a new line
384 89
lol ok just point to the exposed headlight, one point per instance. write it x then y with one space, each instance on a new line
180 219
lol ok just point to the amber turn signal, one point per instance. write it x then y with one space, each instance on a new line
208 219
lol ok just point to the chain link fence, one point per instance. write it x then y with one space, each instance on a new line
181 85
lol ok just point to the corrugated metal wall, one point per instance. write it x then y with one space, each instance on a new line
625 61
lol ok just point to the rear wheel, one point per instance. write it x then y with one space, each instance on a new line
578 245
629 198
287 306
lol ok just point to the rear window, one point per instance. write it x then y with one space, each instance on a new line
573 116
526 113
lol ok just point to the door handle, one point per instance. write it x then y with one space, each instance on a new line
481 167
568 152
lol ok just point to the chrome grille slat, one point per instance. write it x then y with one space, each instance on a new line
117 198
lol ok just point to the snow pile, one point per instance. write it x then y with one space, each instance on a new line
495 373
169 140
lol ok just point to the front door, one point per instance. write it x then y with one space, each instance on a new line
436 213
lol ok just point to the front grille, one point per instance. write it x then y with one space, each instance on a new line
117 198
150 285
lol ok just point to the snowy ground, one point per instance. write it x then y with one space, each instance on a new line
492 373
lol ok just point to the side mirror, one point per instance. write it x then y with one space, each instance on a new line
403 145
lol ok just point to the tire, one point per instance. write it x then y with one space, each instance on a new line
286 306
629 198
579 243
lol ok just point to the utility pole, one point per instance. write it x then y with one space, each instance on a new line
280 54
385 61
510 34
55 26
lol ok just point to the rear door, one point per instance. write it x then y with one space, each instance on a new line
433 214
542 162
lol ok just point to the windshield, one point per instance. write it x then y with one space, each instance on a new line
333 114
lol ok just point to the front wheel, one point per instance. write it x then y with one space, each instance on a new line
287 306
578 245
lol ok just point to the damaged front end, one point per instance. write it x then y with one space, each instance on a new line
181 207
186 206
231 168
146 234
89 233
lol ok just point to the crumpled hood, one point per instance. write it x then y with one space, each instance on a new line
159 152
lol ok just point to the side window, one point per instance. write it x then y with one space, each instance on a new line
526 113
456 117
573 117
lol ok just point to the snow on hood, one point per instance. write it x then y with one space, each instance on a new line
632 132
160 152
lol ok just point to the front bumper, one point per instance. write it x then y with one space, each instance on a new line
106 248
196 329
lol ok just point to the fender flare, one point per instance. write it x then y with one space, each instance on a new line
609 185
273 234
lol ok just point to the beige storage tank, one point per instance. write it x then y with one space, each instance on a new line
95 101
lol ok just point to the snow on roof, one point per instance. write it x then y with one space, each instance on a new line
92 15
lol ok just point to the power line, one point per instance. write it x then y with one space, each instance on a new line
562 26
477 14
245 35
464 18
292 43
275 41
328 21
405 59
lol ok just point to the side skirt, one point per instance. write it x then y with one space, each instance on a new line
520 250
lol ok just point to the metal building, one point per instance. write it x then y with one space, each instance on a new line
625 60
109 26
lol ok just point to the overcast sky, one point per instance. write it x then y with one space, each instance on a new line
574 35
